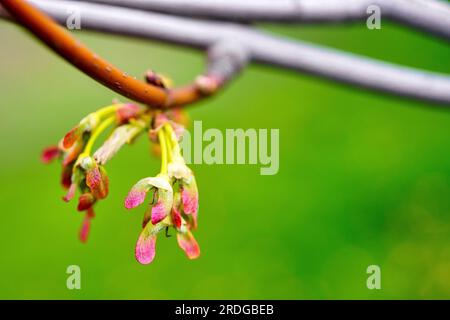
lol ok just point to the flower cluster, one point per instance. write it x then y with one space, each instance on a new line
174 190
85 172
175 196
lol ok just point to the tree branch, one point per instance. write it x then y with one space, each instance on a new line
63 43
225 60
427 15
260 47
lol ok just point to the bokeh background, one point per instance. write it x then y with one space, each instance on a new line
364 179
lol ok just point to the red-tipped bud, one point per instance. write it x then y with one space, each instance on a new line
73 153
72 136
176 217
86 225
66 176
50 153
85 201
70 193
97 181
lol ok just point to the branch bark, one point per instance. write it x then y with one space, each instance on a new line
427 15
261 47
64 44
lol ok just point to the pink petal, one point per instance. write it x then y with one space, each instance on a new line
73 153
49 154
187 242
93 178
66 176
84 231
159 212
86 225
70 193
145 248
190 204
97 181
134 198
176 217
85 201
72 136
190 201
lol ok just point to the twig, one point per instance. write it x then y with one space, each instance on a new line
99 69
225 61
428 15
261 47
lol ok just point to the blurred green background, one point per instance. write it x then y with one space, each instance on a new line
364 179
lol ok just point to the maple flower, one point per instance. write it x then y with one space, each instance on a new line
174 191
169 209
146 245
80 170
91 179
162 191
181 174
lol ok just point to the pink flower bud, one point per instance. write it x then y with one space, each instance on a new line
187 242
97 181
145 248
134 198
85 201
71 192
189 197
159 212
72 136
72 154
139 191
50 153
86 225
66 176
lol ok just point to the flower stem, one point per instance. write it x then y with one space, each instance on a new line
106 111
173 140
169 148
96 133
163 143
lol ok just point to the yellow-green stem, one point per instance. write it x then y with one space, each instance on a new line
106 111
175 147
163 144
96 133
169 148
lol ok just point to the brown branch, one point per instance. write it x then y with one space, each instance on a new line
260 47
69 48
